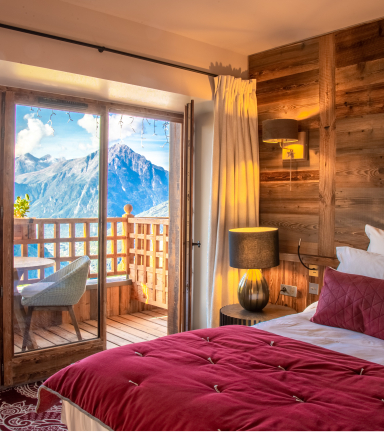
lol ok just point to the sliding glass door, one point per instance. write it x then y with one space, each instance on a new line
85 267
54 214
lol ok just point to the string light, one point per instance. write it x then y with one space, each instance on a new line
142 132
50 122
97 125
130 124
38 113
69 117
154 127
121 128
165 127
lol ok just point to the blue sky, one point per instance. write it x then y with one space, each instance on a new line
60 135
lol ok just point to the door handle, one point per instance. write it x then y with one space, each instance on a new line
198 244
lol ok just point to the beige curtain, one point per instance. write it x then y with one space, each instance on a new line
235 184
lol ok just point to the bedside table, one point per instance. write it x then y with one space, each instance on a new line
235 314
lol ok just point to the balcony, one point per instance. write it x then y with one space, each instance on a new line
137 277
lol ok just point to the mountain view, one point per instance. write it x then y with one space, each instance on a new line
61 188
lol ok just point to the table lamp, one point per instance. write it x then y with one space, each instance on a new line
253 249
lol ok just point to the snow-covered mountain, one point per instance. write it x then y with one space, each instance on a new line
70 188
28 163
161 210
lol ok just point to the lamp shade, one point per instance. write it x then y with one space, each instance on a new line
254 248
280 130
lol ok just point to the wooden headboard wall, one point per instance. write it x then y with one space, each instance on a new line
334 86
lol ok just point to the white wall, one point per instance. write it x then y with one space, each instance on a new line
203 170
67 20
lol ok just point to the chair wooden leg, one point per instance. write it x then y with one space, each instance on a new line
74 322
26 338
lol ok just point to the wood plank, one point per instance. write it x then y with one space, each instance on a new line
145 321
38 364
18 340
116 340
111 345
103 204
284 61
360 170
310 259
360 136
84 334
7 194
359 44
159 331
291 206
51 336
175 215
151 319
360 101
283 176
160 310
360 75
156 314
41 342
327 146
127 332
65 334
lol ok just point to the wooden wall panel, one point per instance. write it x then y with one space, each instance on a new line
284 61
288 87
327 146
334 86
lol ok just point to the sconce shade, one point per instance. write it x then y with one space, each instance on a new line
280 131
254 248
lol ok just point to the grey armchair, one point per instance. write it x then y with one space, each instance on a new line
59 291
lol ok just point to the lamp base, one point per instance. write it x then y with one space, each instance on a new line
253 291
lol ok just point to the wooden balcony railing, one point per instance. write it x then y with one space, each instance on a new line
136 248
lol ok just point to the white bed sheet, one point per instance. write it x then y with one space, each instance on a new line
348 342
298 327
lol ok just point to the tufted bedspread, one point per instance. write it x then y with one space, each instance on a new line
228 378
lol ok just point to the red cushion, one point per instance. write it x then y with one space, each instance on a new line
351 302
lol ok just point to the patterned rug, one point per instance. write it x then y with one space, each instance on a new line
17 411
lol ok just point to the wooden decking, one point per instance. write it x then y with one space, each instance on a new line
121 330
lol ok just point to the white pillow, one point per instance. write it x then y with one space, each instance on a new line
376 238
360 262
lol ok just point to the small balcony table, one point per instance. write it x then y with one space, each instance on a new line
21 265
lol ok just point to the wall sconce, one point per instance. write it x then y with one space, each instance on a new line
293 143
282 131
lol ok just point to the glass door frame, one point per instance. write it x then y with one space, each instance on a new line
38 364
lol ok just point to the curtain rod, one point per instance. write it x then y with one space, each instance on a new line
101 49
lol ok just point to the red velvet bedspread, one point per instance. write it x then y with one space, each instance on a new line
228 378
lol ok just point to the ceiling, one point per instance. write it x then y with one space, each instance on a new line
243 26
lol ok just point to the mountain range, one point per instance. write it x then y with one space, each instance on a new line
28 163
61 188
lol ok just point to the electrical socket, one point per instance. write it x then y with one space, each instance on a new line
288 290
313 288
314 271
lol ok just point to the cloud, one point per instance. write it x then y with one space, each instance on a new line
92 125
129 126
30 138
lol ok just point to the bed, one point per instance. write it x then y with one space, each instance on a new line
284 374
